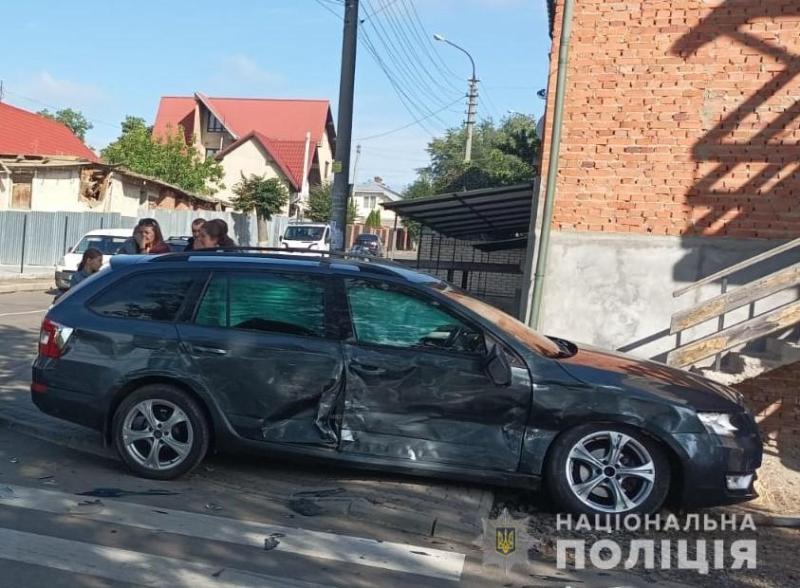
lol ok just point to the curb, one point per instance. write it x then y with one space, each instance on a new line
85 442
26 285
789 521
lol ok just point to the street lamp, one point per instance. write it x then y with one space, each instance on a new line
472 97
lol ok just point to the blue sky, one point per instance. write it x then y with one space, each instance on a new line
109 59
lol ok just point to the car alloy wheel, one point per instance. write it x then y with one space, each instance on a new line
157 434
610 471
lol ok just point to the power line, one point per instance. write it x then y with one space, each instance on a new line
399 26
427 36
416 84
412 123
424 38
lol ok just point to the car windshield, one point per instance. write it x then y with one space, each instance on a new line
367 238
508 323
107 244
304 233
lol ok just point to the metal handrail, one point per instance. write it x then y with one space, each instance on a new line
738 266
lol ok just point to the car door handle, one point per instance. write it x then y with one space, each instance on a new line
203 350
371 370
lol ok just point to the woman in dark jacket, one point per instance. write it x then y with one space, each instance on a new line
147 239
213 234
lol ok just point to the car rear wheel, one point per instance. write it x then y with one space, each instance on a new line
160 432
607 469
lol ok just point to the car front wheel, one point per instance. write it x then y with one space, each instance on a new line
607 469
160 432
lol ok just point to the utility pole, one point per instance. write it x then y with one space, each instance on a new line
341 166
2 91
472 111
472 97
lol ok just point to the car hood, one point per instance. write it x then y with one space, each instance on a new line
598 367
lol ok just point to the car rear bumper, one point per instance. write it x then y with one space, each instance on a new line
67 405
711 460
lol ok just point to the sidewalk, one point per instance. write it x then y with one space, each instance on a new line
33 278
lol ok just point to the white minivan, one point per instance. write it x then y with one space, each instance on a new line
106 240
314 236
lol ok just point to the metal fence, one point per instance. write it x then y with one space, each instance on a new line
41 238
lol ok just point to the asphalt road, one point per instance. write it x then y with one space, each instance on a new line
236 521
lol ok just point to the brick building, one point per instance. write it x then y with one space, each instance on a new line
680 156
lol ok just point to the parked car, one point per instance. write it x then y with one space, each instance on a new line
370 243
372 365
178 244
316 236
106 240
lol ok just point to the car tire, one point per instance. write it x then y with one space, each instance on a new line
160 432
584 475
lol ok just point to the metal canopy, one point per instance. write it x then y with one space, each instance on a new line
489 213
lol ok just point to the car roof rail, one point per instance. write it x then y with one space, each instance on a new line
271 252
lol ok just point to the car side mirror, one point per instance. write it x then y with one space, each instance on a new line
497 366
280 238
70 250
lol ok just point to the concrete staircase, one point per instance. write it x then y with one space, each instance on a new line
752 361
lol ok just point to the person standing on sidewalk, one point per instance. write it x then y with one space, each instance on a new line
147 239
91 262
197 225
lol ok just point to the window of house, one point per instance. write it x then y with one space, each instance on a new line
413 322
211 152
370 202
293 305
154 296
214 126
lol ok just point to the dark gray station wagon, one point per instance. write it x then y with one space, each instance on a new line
372 365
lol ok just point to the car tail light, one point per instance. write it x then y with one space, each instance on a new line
53 338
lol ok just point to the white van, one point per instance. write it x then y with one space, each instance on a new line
106 240
314 236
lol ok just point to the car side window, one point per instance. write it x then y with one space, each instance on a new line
276 303
155 296
384 315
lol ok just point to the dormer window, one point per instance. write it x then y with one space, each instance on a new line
214 126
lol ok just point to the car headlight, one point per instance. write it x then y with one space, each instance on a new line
718 422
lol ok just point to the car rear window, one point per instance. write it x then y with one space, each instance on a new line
154 296
277 303
107 244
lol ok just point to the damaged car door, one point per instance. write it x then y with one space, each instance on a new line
260 341
425 385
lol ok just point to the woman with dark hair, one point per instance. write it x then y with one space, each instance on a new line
91 262
213 234
147 239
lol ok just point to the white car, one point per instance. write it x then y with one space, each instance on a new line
106 240
312 236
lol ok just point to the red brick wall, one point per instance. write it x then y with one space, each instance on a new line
775 399
682 117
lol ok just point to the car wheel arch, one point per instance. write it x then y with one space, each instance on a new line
673 451
131 386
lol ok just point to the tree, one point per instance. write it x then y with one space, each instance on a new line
169 159
319 204
266 196
72 119
501 155
373 220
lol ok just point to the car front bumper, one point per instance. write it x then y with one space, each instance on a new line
63 278
714 463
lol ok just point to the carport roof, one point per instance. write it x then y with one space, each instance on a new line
489 213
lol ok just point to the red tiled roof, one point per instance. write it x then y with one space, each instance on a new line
26 133
288 155
175 111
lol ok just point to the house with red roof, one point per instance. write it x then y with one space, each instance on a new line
293 140
45 167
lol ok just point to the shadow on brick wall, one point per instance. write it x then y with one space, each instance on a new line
747 187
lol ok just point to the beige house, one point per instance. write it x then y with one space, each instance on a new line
293 140
70 184
369 196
